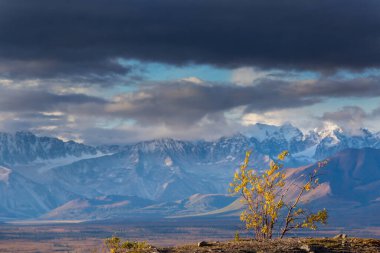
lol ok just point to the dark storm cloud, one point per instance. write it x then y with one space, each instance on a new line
184 103
80 71
46 38
338 88
15 100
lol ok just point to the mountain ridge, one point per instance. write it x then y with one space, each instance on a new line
162 170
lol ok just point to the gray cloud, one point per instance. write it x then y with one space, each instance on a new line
356 87
376 112
182 103
165 109
24 100
32 121
211 129
350 118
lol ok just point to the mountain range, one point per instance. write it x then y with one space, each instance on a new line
46 178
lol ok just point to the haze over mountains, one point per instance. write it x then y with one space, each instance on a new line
42 177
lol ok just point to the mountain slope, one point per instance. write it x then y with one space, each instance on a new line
351 174
349 188
21 197
108 207
156 174
104 207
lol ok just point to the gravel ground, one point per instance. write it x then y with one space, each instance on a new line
316 245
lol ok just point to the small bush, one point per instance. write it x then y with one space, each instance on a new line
115 245
237 236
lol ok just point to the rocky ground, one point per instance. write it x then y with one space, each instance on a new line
301 245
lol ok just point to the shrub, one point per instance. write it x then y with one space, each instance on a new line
115 245
267 202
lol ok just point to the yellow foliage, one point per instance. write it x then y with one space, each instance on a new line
264 196
282 155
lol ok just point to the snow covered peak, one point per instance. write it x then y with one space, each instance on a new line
238 137
160 145
24 147
289 132
366 132
262 132
328 130
335 132
25 134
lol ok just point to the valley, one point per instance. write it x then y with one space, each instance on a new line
87 236
171 191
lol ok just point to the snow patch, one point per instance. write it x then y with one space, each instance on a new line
165 185
4 174
168 161
309 152
328 130
50 164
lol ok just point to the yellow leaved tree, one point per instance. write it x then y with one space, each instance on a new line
271 200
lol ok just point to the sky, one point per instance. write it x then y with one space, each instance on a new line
121 71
